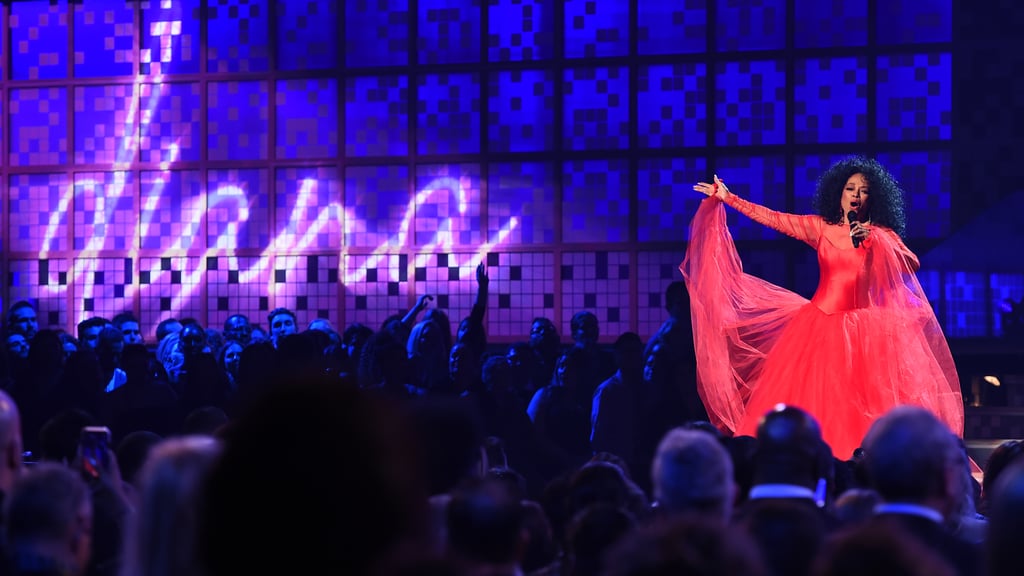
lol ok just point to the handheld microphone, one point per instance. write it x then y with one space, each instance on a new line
851 217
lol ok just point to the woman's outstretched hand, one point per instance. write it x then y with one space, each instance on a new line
716 189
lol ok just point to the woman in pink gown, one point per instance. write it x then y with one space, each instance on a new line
866 341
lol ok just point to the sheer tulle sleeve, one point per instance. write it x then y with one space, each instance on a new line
737 318
899 302
805 228
892 242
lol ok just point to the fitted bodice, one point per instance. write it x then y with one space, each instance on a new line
843 279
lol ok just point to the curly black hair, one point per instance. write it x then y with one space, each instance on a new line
885 205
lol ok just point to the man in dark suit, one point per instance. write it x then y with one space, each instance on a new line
1006 522
914 463
674 364
791 461
784 513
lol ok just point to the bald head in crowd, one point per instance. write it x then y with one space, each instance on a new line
10 442
692 473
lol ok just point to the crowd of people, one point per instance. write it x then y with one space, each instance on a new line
407 450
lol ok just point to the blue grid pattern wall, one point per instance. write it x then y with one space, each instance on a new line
365 145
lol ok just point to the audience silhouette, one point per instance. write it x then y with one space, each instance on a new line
405 450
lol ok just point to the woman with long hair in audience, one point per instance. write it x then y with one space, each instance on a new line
161 539
867 341
171 357
229 357
428 350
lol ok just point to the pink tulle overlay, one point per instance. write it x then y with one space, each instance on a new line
758 345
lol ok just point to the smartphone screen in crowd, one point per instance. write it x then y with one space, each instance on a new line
93 445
